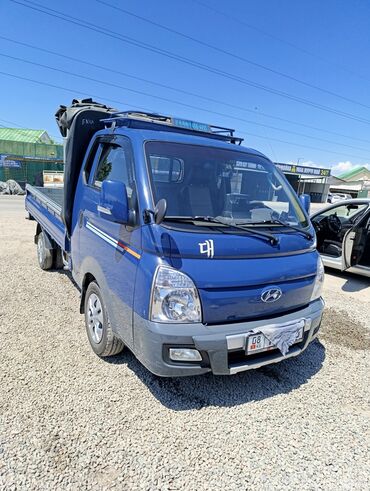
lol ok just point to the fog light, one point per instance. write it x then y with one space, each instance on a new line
185 354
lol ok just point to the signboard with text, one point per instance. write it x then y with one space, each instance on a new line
301 169
6 162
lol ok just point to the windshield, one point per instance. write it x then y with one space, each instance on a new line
213 182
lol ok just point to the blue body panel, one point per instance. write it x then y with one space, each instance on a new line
123 259
230 284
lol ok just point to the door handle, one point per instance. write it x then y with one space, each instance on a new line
81 219
103 209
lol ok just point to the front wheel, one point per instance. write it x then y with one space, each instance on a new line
99 330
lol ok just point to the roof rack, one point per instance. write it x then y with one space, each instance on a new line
171 123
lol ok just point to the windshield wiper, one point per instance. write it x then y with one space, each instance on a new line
183 219
264 235
276 221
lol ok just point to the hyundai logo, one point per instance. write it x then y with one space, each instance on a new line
271 295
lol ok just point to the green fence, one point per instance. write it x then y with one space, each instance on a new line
29 172
33 158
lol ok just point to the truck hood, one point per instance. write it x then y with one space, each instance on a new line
233 271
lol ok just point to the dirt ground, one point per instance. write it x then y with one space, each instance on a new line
70 420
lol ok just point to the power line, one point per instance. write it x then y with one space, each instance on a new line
205 98
277 38
173 101
75 91
233 55
301 145
10 122
188 61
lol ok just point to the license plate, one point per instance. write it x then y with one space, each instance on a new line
258 342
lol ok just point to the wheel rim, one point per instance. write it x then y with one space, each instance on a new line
41 249
95 318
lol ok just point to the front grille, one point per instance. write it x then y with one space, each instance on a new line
259 317
239 357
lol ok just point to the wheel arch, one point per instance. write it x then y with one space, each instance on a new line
87 279
49 243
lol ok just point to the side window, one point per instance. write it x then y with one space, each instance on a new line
93 156
346 211
116 164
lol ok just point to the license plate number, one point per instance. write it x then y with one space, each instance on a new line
258 342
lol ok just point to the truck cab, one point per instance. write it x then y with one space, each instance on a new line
189 249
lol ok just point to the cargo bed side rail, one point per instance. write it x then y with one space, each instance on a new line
50 205
48 214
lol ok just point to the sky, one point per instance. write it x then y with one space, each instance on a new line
292 77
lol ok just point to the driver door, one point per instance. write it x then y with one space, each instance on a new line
354 242
349 214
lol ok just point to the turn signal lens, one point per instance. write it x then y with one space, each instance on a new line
319 280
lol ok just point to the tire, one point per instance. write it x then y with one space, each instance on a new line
98 327
44 255
58 259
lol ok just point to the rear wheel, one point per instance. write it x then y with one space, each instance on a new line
44 255
99 330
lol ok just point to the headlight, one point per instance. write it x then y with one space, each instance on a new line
319 280
174 297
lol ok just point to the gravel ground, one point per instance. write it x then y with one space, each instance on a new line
69 420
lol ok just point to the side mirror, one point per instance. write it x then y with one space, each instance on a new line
305 200
160 211
113 204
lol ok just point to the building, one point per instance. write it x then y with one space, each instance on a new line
25 135
26 153
355 182
313 181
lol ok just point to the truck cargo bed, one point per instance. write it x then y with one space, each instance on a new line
45 206
52 197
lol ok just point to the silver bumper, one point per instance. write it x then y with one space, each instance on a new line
217 344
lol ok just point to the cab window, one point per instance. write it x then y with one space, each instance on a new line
116 164
346 211
91 160
166 169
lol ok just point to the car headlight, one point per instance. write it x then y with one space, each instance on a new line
174 297
319 280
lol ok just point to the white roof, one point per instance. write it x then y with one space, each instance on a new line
346 187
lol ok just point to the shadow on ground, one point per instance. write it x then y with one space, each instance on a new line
180 394
354 284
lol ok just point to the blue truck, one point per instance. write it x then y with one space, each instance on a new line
189 249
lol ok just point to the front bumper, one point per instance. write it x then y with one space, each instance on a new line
222 346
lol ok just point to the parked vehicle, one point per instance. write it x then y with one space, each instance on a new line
344 196
343 235
188 248
334 198
330 197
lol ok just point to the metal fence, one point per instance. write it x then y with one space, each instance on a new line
29 161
